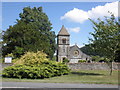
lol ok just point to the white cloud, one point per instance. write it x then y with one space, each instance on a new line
76 29
79 16
76 15
101 11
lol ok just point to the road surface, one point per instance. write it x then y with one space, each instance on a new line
53 85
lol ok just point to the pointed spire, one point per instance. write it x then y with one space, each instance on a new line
63 31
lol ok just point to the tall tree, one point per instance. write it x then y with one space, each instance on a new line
89 51
31 33
106 37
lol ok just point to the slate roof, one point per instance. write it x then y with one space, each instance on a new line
84 54
63 31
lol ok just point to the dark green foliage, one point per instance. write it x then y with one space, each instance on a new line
46 70
31 33
54 58
65 60
58 68
117 56
18 51
99 59
90 51
81 61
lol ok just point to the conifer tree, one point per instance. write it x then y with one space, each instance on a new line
32 32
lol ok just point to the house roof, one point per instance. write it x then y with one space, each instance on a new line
63 31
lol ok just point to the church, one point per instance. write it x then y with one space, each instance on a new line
64 50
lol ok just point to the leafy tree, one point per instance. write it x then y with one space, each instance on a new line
31 33
89 51
106 37
99 59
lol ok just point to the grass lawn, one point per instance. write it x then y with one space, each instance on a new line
81 76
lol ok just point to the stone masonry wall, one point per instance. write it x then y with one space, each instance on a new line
3 65
83 66
93 66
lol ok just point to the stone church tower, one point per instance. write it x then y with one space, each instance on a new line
63 42
64 50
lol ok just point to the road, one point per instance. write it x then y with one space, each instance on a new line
53 85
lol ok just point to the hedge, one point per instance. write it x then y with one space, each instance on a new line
46 70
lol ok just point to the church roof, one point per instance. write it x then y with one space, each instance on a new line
73 46
63 31
76 46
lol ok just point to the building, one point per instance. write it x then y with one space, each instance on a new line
72 53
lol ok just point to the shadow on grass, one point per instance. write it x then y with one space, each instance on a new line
83 73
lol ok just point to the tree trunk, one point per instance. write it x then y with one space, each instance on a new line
111 68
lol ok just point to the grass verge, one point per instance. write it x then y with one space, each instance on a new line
81 76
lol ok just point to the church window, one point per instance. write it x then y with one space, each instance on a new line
64 41
76 53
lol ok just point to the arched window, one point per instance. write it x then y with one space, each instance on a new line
64 41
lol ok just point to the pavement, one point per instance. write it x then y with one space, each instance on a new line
53 85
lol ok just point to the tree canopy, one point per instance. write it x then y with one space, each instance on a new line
87 49
106 37
32 32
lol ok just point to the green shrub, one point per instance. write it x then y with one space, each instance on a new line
54 58
99 59
46 69
31 58
65 60
1 60
81 61
57 67
96 58
35 65
10 55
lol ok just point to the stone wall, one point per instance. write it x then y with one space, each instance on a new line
93 66
3 65
82 66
